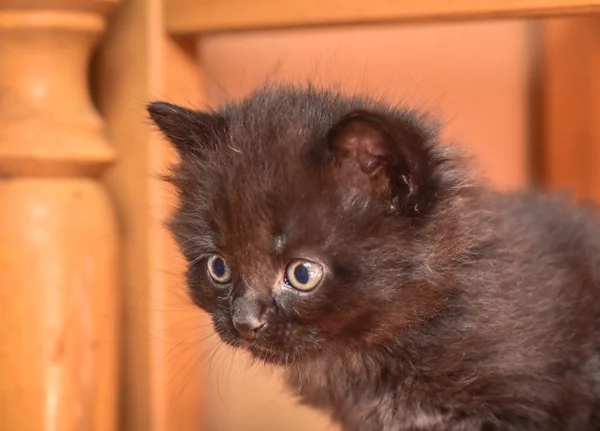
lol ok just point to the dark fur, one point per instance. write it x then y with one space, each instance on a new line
445 306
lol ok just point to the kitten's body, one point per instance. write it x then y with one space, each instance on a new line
444 306
505 354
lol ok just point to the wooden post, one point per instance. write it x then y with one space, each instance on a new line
58 236
164 355
570 106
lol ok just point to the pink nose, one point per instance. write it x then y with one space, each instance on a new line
248 315
247 326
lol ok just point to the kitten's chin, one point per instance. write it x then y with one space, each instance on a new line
272 357
265 354
257 352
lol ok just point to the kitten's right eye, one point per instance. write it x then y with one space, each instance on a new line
217 269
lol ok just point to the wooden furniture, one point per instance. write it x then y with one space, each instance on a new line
58 234
90 283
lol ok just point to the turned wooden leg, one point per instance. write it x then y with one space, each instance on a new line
58 238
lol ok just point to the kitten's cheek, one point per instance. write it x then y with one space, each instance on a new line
206 300
199 299
225 330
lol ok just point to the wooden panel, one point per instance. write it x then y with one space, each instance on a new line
162 351
193 16
58 236
570 108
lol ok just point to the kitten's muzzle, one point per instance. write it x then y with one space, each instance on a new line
248 316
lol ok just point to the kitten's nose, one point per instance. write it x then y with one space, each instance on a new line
248 328
248 317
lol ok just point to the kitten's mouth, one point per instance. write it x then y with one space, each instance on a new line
278 350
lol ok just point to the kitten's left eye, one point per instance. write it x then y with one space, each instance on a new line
303 274
217 269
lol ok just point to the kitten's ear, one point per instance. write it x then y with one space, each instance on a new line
186 129
378 158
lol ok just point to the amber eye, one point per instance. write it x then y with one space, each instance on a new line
303 274
217 269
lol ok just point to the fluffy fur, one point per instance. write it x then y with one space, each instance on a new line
445 305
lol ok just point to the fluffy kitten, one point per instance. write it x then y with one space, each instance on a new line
334 236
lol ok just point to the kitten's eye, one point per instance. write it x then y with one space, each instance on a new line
217 269
303 274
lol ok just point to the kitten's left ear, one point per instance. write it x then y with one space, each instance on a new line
381 158
186 129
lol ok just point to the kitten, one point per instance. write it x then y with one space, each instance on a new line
334 236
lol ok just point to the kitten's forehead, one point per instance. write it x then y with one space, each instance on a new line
264 205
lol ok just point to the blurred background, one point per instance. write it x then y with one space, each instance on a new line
97 331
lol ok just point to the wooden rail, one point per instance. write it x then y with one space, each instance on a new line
193 16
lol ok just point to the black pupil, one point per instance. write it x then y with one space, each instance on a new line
218 267
302 274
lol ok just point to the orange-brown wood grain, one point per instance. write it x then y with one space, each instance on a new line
58 236
57 280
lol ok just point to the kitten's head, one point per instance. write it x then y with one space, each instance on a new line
312 223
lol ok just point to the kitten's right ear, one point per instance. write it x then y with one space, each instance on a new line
186 129
384 159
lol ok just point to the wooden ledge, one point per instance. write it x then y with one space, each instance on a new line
197 16
94 6
45 19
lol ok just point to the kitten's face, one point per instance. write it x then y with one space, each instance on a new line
302 220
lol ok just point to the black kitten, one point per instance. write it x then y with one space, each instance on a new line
335 237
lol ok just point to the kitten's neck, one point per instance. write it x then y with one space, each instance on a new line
355 389
422 354
395 364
